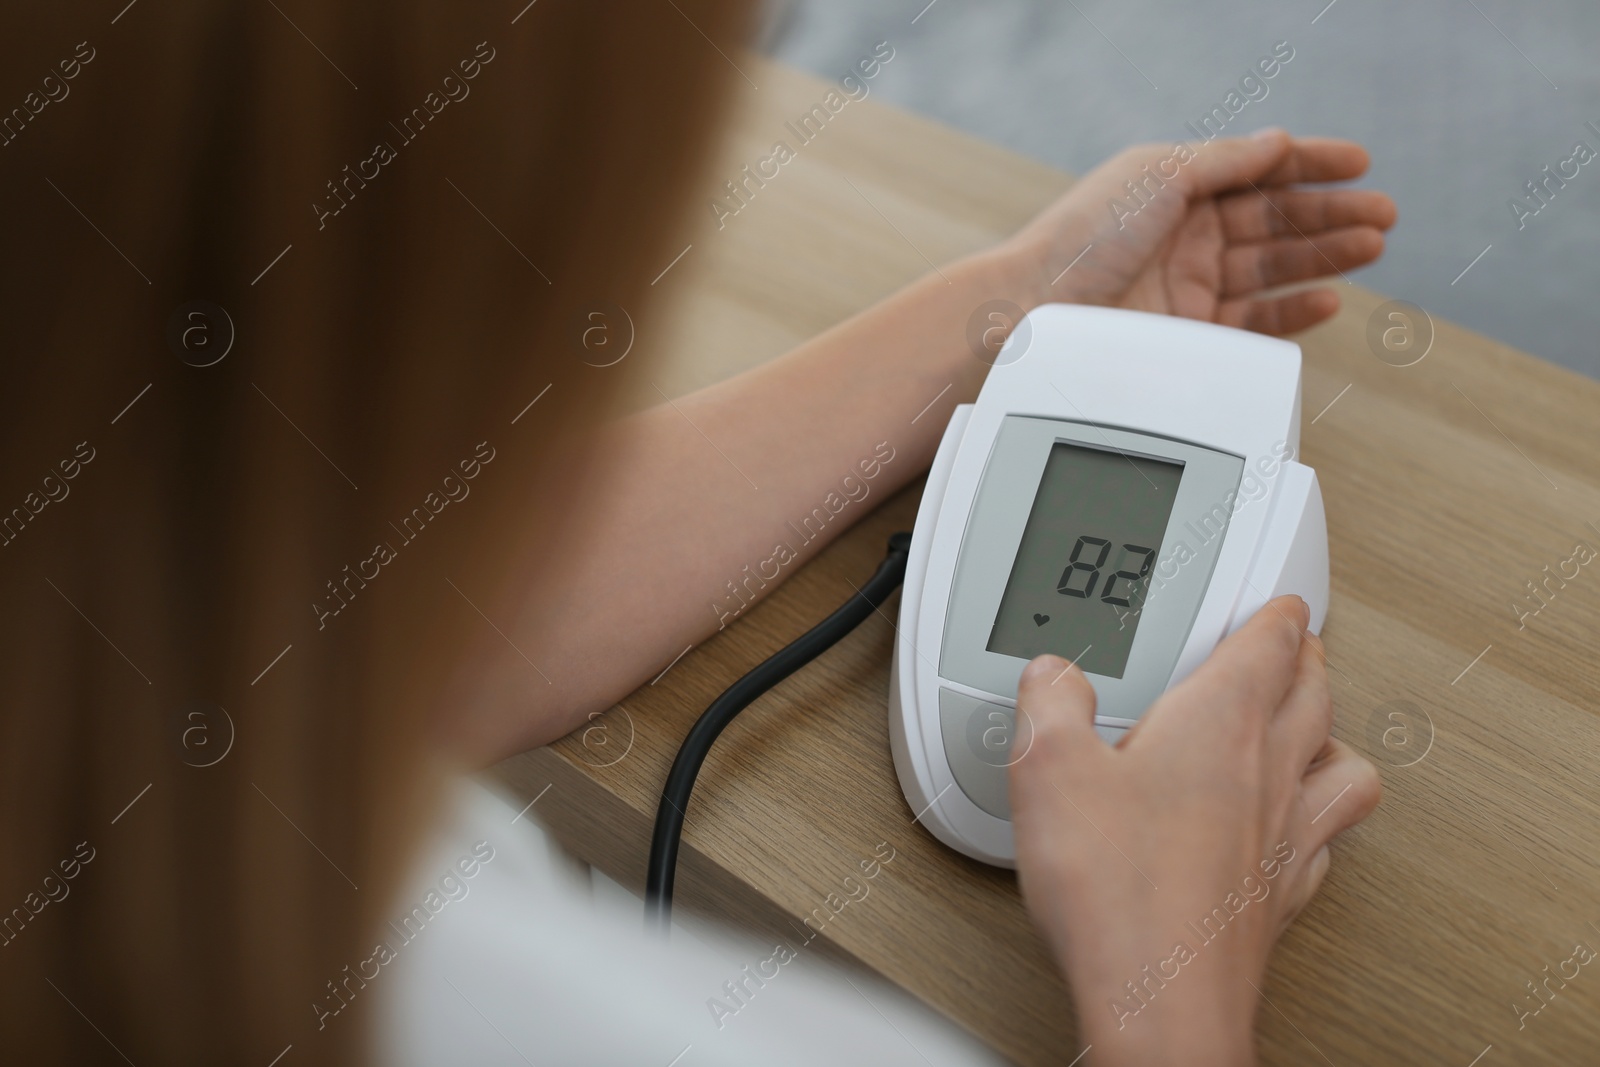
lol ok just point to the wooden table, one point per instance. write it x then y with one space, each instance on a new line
1449 485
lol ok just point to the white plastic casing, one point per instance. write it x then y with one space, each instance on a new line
1208 385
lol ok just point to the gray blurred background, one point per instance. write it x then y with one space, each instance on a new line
1460 102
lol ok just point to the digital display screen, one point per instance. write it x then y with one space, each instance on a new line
1078 585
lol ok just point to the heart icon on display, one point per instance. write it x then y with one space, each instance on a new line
1040 620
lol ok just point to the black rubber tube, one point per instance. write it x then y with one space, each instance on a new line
738 696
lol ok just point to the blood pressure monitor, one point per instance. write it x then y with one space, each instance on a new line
1124 494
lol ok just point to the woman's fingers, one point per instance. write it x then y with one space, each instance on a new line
1270 157
1281 315
1260 215
1250 268
1301 892
1318 159
1230 163
1339 791
1241 684
1300 727
1055 717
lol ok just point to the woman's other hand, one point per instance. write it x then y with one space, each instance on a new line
1208 232
1164 870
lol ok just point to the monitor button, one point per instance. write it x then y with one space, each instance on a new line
980 742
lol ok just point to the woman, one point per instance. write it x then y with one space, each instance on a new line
280 284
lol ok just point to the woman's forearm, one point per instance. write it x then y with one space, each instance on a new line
705 503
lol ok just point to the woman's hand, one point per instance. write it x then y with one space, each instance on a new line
1206 231
1163 870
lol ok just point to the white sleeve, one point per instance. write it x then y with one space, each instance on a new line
516 963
